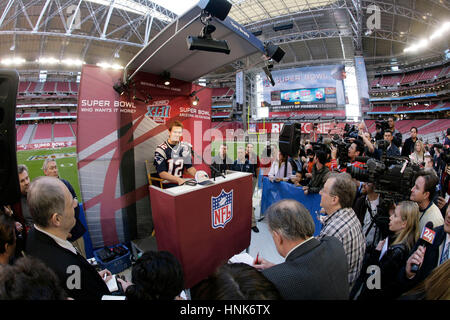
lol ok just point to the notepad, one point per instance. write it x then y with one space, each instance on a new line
109 297
112 284
242 258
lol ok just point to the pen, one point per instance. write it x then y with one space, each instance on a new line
257 256
104 277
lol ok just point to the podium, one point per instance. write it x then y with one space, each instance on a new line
203 226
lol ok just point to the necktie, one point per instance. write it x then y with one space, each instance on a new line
444 256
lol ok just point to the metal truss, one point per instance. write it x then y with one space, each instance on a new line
67 15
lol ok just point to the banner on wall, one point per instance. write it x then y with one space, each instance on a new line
310 88
306 127
363 86
116 134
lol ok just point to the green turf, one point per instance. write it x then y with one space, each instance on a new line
67 166
232 146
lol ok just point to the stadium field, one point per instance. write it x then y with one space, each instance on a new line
66 159
232 146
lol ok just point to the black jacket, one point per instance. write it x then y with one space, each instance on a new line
317 270
430 261
408 147
397 138
59 259
318 179
390 264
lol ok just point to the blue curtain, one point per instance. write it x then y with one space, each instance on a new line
276 191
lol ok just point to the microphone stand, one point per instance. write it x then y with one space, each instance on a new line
213 169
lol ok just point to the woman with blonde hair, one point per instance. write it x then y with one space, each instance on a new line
435 287
418 156
391 254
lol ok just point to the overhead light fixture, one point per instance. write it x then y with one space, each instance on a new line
439 32
216 8
282 27
106 65
166 77
273 51
72 62
120 87
16 61
257 33
205 41
48 60
195 101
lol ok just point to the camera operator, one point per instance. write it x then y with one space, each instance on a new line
356 149
365 208
441 200
379 131
320 173
391 151
397 136
423 193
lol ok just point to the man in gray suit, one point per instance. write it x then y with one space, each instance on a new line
314 269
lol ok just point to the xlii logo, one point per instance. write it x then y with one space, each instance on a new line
221 209
158 113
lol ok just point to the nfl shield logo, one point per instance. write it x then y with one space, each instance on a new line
221 209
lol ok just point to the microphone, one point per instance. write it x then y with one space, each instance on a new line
426 239
213 169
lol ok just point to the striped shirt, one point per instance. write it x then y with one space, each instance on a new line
345 226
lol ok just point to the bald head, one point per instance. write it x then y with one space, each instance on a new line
290 219
47 196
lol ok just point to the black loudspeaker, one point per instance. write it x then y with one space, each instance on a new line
289 140
9 181
274 52
218 8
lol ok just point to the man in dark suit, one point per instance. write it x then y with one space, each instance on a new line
50 169
427 258
314 269
52 208
408 146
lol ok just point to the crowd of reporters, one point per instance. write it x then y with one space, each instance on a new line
364 228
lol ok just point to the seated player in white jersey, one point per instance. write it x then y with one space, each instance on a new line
172 157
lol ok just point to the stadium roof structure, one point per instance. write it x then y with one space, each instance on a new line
309 31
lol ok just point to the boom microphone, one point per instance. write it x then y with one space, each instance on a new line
426 239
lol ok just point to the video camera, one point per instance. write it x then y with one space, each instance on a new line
350 131
382 124
393 178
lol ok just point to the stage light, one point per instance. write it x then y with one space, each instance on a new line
120 87
48 60
274 52
195 101
166 77
216 8
205 42
13 61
